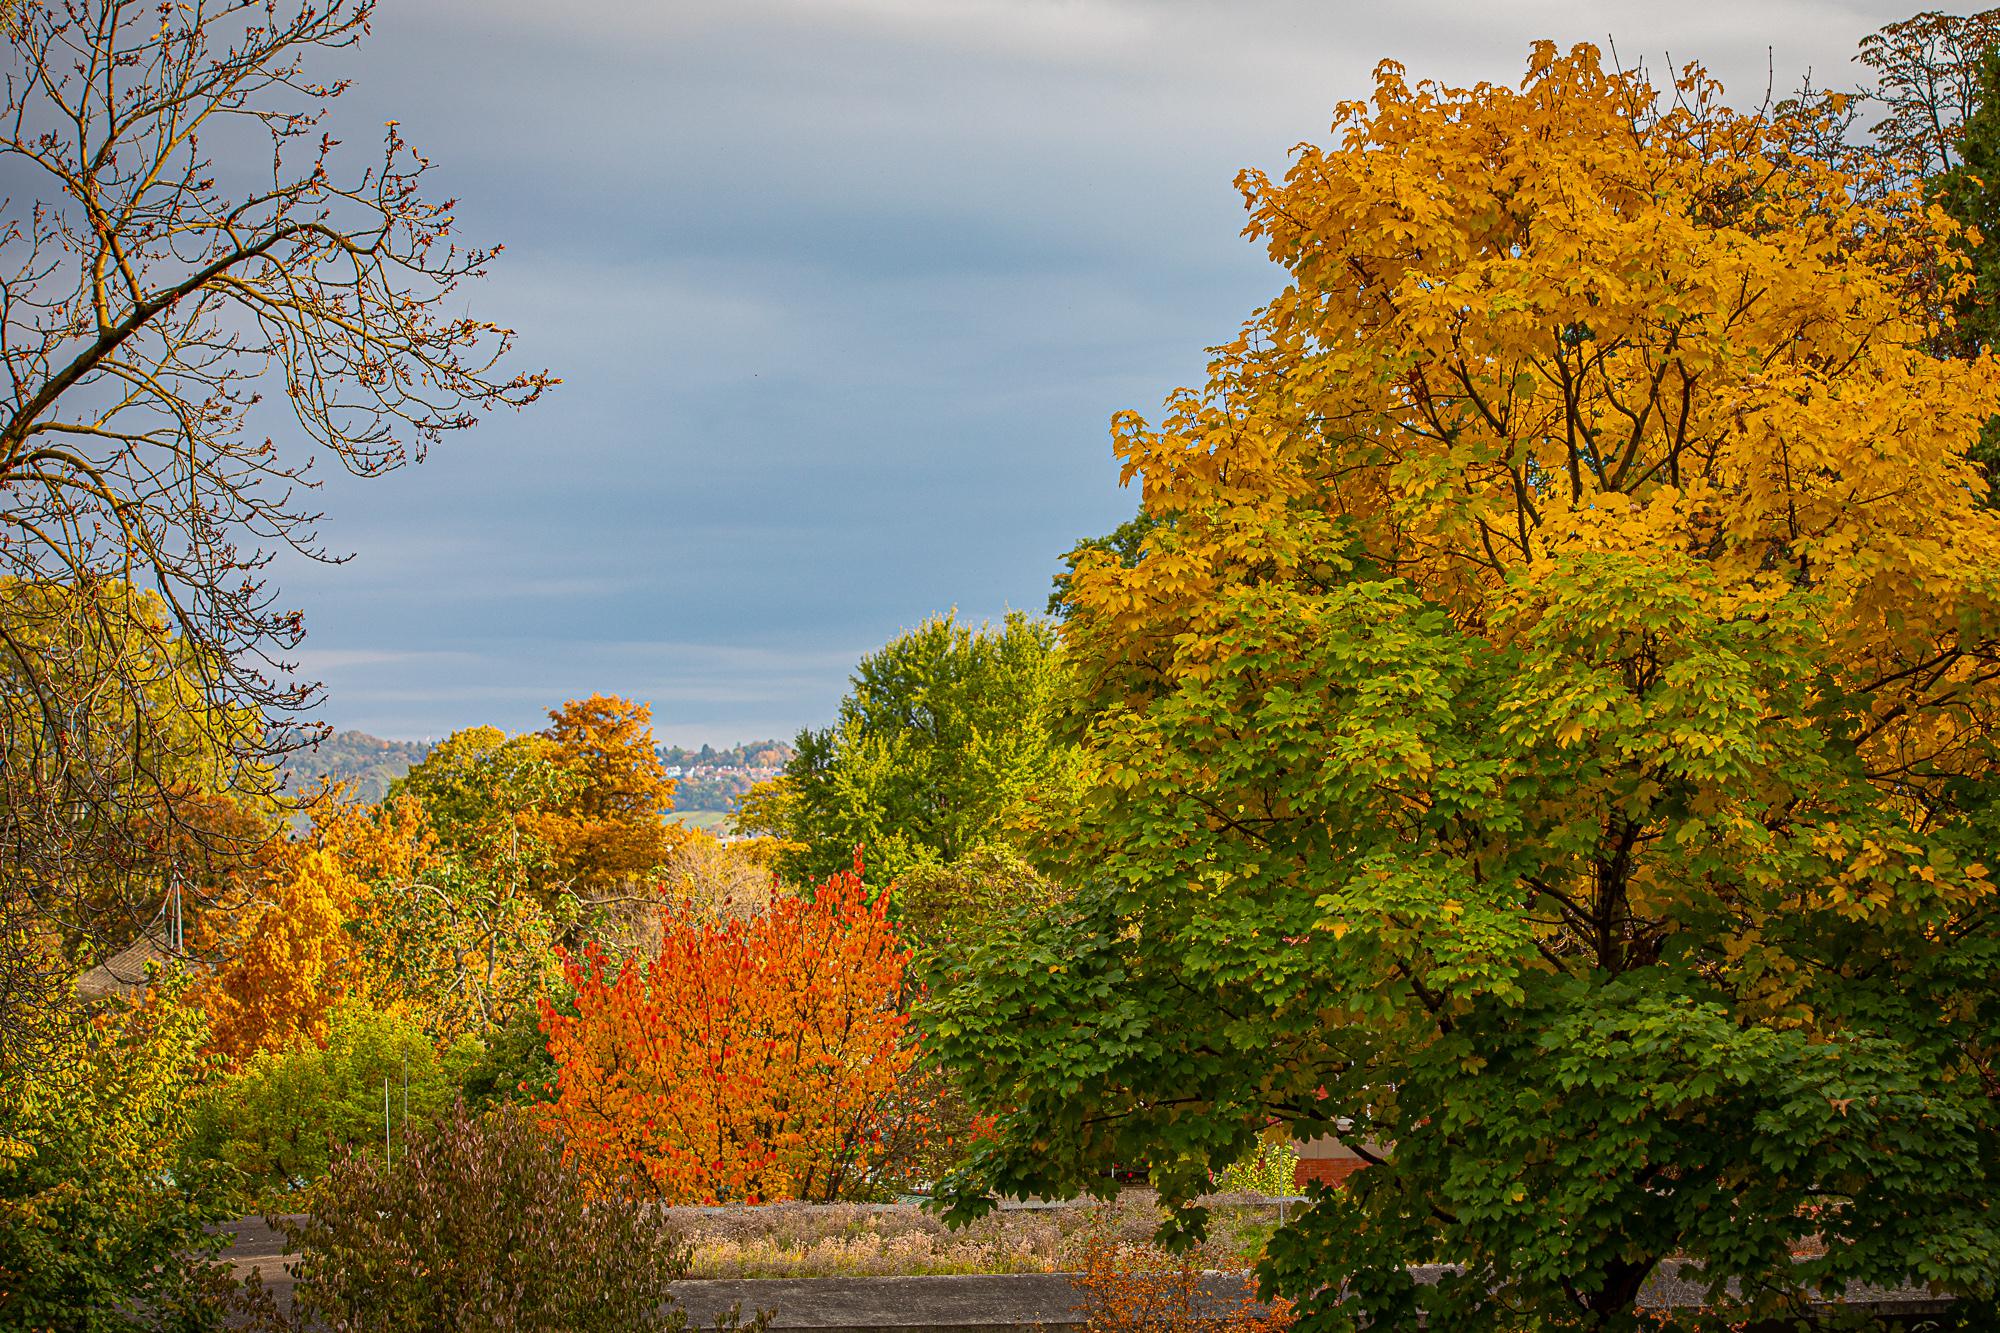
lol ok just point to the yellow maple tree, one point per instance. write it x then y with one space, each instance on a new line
1543 731
289 961
1531 324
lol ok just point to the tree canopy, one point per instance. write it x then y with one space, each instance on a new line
945 734
1928 69
1547 739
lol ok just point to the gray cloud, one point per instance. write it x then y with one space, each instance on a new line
844 293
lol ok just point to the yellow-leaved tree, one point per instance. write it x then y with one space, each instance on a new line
612 829
1545 732
290 960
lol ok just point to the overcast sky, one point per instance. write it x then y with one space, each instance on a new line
843 294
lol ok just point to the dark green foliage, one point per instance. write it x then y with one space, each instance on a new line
480 1227
1970 193
1326 911
942 910
515 1067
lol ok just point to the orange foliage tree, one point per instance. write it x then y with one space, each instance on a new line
290 961
288 944
747 1060
613 829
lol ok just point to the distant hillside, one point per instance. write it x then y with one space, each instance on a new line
367 763
712 779
706 779
751 754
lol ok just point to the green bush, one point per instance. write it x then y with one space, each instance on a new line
277 1123
103 1210
515 1066
481 1227
1271 1171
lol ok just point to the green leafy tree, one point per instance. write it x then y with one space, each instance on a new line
276 1124
1552 746
943 738
476 785
104 1206
515 1066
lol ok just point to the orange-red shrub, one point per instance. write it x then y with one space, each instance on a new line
747 1060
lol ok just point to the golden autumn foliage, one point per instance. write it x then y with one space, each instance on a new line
289 938
1548 724
611 829
443 901
1527 325
393 841
1532 331
747 1060
291 961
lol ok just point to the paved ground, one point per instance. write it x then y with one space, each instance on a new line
255 1244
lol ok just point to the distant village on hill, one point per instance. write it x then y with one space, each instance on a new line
712 779
707 779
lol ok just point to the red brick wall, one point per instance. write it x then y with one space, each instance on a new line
1325 1171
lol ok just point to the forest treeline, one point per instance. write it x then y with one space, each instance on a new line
365 766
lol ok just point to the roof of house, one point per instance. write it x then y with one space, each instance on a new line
123 975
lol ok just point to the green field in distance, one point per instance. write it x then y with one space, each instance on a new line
709 821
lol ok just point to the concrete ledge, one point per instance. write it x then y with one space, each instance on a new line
973 1303
1021 1302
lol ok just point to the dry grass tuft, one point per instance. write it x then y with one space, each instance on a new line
902 1240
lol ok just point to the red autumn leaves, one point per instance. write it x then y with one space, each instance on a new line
747 1060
